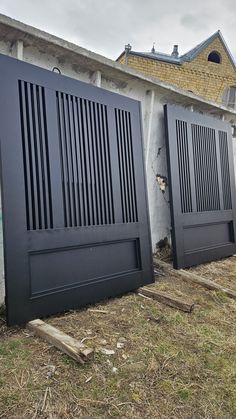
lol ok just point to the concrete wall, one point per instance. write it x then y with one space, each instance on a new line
152 98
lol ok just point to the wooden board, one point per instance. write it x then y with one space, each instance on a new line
70 346
167 299
190 276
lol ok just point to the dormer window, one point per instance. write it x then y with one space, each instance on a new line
214 57
229 97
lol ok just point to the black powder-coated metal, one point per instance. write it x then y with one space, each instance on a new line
75 213
202 186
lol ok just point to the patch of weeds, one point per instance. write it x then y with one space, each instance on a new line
202 314
222 297
233 378
3 350
209 347
184 393
14 344
166 385
214 363
13 349
177 318
70 361
167 349
211 332
7 399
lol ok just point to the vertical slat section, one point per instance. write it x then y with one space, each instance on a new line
183 165
73 159
131 166
93 161
115 172
205 168
38 159
27 157
103 163
88 179
79 187
92 110
80 142
64 164
224 162
121 170
53 157
68 160
191 168
43 131
35 155
85 161
101 203
126 166
219 169
215 172
110 208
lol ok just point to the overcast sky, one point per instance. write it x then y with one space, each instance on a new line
105 26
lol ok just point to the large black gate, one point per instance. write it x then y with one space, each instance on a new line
202 186
75 210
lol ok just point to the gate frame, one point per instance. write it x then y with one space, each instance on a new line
171 113
20 243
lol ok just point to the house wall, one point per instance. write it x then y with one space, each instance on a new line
199 76
152 98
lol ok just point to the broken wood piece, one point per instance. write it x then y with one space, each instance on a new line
167 299
190 276
94 310
67 344
144 296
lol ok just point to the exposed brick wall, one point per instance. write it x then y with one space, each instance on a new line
200 76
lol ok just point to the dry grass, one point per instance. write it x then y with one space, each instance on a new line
182 367
223 272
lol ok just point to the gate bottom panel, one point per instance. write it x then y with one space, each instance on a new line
60 269
207 255
81 296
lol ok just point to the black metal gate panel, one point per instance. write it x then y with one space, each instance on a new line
202 186
75 213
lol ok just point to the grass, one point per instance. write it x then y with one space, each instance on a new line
182 367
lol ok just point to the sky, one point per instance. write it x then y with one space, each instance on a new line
105 26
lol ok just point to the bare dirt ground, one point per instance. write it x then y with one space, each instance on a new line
166 363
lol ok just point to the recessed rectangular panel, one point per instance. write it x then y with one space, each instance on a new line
71 267
207 236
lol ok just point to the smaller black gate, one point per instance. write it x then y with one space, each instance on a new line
202 186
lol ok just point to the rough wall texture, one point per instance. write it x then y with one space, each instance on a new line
199 76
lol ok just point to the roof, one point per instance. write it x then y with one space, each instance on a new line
188 56
12 30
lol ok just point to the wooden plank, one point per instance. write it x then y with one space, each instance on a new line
70 346
190 276
166 299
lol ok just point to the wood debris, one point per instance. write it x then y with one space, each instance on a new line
70 346
167 299
190 276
